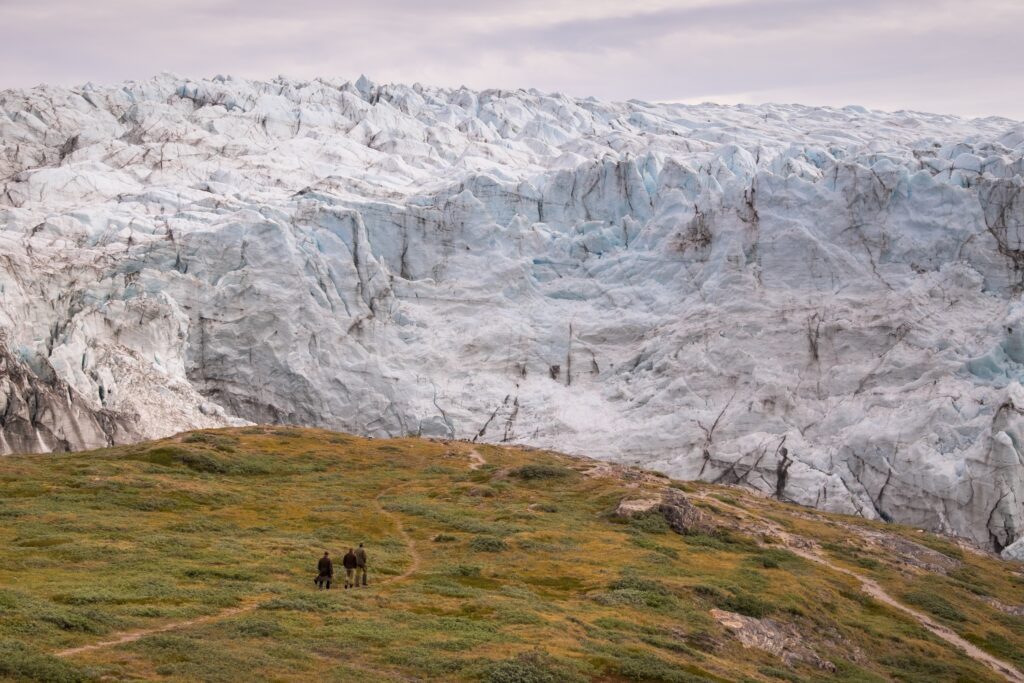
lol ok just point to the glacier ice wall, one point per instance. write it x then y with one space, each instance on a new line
823 304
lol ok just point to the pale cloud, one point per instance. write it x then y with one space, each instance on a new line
937 55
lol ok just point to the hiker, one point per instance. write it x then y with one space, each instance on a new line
350 562
361 564
325 572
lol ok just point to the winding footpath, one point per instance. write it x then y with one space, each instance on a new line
414 565
873 589
131 636
476 460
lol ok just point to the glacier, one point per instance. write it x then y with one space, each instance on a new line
823 304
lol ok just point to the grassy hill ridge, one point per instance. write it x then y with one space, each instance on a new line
192 558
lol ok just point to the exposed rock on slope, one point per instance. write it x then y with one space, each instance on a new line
819 303
771 636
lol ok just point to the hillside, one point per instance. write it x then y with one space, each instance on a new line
192 558
510 266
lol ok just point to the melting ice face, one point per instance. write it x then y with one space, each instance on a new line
817 303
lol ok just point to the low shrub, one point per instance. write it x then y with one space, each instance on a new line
741 603
630 582
90 598
531 667
478 492
702 640
649 544
466 570
709 592
746 604
529 472
997 644
20 662
779 674
969 579
852 554
225 574
668 644
315 602
940 545
651 523
722 539
221 443
773 558
515 616
72 621
637 592
197 461
650 668
252 627
451 516
425 660
934 604
915 667
488 544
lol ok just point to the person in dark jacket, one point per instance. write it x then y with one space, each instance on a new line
325 572
361 564
350 562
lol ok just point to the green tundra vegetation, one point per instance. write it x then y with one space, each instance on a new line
192 559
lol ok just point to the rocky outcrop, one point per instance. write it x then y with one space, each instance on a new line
909 553
682 515
782 640
821 304
631 508
1012 610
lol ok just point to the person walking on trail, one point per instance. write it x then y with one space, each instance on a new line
361 564
350 562
325 572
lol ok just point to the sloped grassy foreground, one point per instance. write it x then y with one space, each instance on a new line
515 571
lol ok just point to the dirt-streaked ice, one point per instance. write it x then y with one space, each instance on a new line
823 304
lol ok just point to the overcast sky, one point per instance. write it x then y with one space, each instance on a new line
949 56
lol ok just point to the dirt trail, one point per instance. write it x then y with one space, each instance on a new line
132 636
805 550
872 588
414 565
477 460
